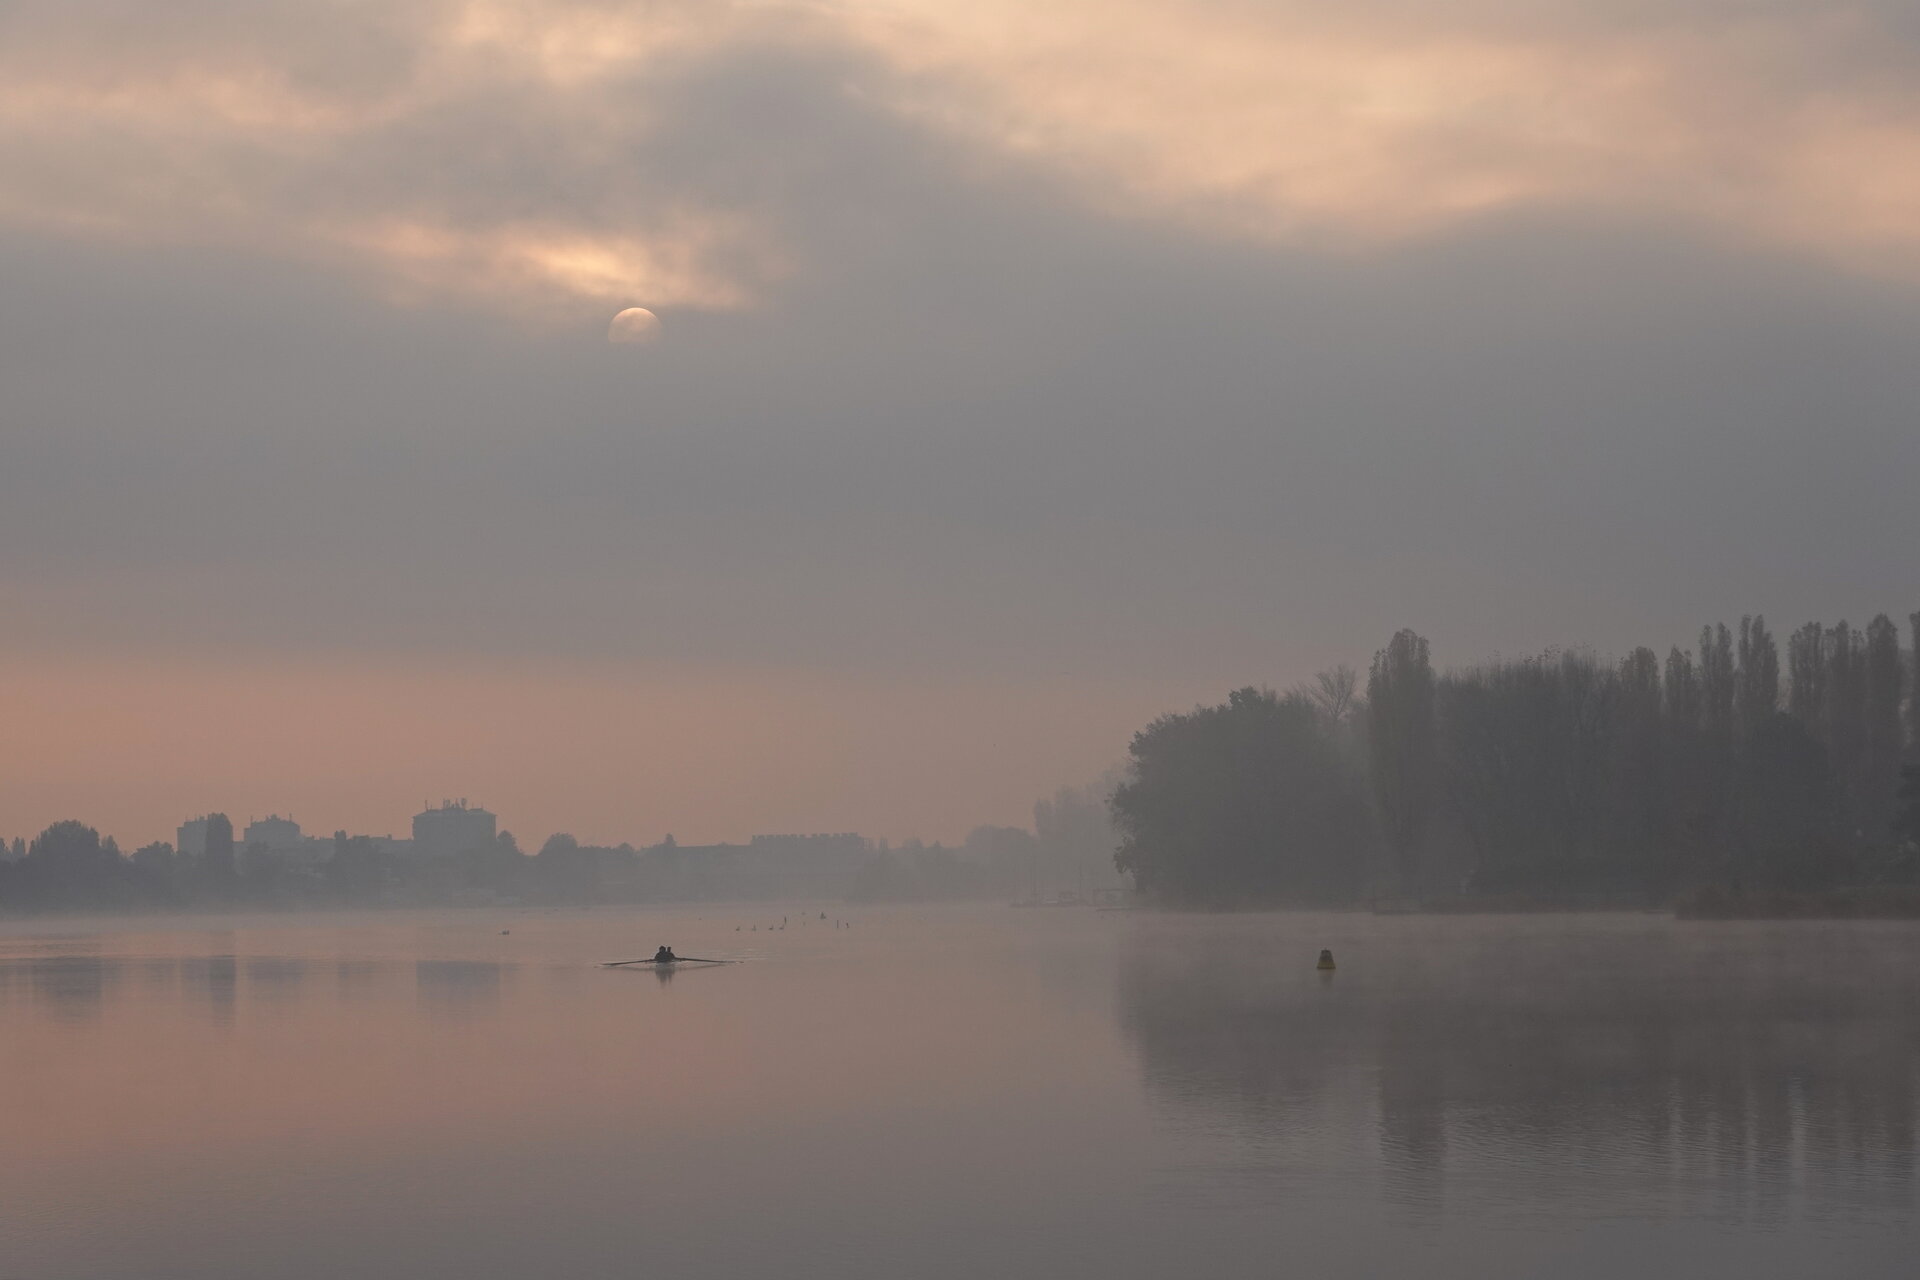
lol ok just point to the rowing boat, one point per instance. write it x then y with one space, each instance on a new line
678 962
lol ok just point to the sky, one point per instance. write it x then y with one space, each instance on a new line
1024 371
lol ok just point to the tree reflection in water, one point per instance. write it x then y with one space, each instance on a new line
1591 1065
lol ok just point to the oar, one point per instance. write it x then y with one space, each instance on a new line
615 964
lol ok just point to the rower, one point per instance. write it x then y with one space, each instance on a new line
664 956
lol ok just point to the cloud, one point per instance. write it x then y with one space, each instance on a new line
444 149
1352 124
985 367
517 155
992 437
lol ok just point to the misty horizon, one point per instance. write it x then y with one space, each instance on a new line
1019 813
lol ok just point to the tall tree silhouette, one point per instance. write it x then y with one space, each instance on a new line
1638 805
1717 684
1400 743
1906 812
1787 832
1883 735
1680 690
1690 817
1757 687
1846 711
1913 685
1807 673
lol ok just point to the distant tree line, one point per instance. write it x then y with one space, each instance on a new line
72 867
1719 768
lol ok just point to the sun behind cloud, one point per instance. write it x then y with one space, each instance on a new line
580 153
634 327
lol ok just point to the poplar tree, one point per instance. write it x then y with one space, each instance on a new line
1400 742
1639 801
1846 708
1681 689
1716 720
1883 736
1913 685
1683 767
1807 675
1716 681
1757 690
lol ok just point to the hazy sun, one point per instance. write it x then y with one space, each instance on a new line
635 326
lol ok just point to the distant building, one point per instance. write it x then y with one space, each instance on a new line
217 859
275 832
282 838
452 829
818 849
768 867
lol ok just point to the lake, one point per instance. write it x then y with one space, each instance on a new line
955 1092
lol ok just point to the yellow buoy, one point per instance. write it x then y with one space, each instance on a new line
1326 962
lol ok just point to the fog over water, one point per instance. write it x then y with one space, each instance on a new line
957 1091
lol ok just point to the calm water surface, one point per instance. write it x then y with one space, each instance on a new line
941 1092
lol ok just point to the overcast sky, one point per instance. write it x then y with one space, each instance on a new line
1026 370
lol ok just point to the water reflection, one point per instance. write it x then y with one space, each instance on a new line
282 974
1734 1076
355 980
214 983
68 987
79 988
458 989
